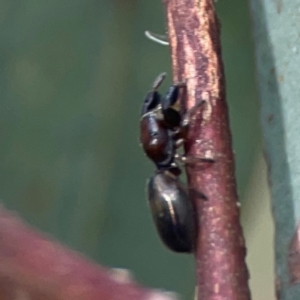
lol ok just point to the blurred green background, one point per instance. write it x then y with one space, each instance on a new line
73 78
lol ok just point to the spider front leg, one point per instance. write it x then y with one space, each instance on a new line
190 113
192 160
171 106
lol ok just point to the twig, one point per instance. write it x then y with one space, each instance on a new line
196 58
33 267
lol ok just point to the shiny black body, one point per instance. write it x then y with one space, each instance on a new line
160 128
172 211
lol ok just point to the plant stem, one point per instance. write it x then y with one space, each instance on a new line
196 58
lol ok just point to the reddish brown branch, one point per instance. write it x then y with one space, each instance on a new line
196 58
34 267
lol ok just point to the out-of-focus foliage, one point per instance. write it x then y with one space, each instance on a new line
277 50
73 76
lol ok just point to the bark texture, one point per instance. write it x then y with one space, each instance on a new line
194 38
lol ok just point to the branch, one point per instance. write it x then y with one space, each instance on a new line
196 58
34 267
